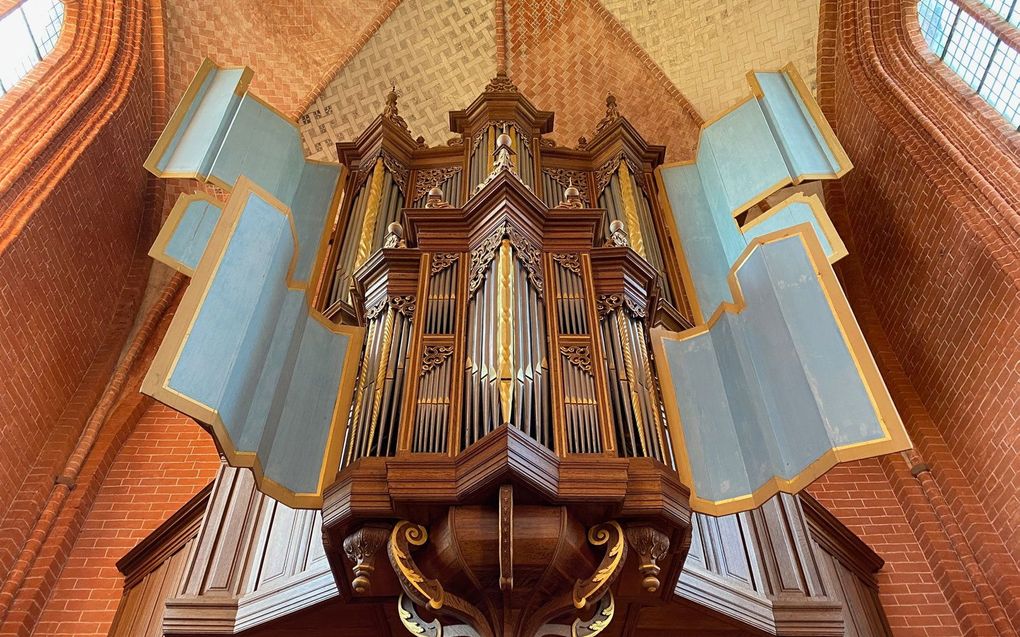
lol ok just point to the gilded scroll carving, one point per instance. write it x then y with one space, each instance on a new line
599 621
423 591
578 355
374 310
434 356
610 535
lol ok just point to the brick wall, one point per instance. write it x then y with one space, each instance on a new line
64 265
929 214
164 462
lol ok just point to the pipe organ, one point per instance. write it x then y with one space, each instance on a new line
483 311
507 286
466 356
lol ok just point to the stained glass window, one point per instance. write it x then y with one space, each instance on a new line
27 34
987 64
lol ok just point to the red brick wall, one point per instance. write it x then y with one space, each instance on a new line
929 214
63 271
164 462
861 496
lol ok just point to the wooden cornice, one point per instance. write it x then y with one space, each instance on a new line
839 540
493 106
384 135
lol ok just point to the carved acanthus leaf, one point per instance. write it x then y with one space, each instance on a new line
483 255
361 548
651 546
434 356
578 355
605 304
403 304
375 309
566 178
530 257
397 169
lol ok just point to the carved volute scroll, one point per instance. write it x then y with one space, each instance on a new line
610 535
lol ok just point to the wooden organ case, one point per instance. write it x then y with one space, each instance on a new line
506 467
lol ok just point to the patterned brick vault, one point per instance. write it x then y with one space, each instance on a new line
705 46
566 55
294 45
440 56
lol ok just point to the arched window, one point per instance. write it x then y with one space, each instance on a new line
28 32
983 60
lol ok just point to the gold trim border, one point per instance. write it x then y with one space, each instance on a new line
895 439
158 249
155 382
814 111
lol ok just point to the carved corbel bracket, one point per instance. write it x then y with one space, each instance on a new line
426 592
651 546
361 548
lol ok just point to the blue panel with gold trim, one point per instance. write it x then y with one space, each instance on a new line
777 385
246 354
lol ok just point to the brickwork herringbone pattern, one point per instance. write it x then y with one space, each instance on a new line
289 43
705 47
439 55
567 54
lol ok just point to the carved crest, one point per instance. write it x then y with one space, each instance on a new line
501 84
529 256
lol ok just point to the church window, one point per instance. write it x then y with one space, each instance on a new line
982 59
28 33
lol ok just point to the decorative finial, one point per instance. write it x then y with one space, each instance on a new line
392 112
435 199
572 196
394 236
502 159
618 235
612 113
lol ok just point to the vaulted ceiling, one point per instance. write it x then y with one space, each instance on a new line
329 63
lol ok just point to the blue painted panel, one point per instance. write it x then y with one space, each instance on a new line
199 135
263 147
310 208
795 213
745 155
192 233
770 389
235 306
802 143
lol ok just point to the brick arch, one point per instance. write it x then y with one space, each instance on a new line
930 215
